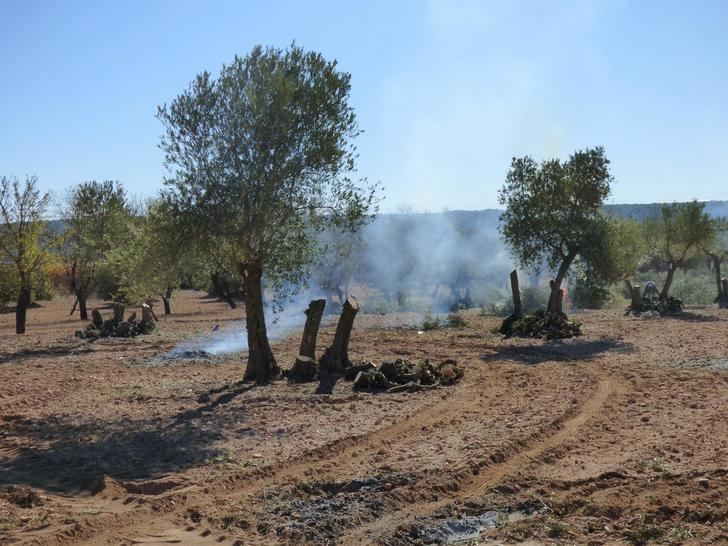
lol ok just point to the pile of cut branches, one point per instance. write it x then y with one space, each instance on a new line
114 327
541 325
400 375
668 306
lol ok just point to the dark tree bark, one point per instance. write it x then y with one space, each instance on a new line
717 260
310 331
556 296
517 309
262 366
21 310
119 312
82 309
636 297
668 281
166 297
336 357
96 318
222 290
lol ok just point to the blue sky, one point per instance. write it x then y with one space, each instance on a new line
446 92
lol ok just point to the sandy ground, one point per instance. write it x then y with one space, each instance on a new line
617 437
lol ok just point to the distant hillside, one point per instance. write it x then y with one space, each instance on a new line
641 211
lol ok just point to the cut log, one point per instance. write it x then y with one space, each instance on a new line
148 319
97 319
336 357
517 309
310 331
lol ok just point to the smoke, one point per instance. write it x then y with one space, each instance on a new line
434 262
425 262
233 338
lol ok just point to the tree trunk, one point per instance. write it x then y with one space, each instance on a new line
716 269
668 282
310 331
336 357
557 295
222 291
165 300
636 296
517 309
21 310
97 319
82 309
119 312
262 366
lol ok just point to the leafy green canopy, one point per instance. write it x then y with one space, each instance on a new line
553 209
679 232
261 157
97 216
24 237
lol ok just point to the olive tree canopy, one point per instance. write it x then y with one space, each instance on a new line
553 212
261 156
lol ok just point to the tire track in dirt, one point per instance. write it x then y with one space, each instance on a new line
132 527
374 532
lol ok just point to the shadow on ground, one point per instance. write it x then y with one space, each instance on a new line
67 455
558 351
42 353
689 316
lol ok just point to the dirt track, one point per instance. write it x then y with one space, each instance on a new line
618 436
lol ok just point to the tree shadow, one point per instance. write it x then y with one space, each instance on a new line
558 351
43 353
327 382
689 316
67 455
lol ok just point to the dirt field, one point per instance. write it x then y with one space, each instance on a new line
619 436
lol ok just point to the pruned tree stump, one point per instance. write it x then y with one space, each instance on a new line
336 357
304 370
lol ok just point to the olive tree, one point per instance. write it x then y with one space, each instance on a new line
261 156
24 238
553 212
677 234
95 215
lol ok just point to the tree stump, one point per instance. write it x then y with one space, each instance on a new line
96 319
517 309
304 370
723 298
310 331
636 305
148 320
119 310
336 357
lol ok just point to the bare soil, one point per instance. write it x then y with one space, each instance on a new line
616 437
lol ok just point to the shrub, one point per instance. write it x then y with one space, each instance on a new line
587 293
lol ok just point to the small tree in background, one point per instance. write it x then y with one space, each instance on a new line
553 213
261 156
96 215
24 238
717 251
680 232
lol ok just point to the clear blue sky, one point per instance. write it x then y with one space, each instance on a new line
447 92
